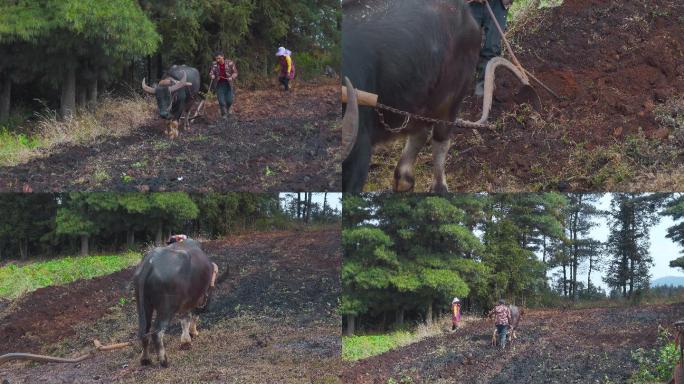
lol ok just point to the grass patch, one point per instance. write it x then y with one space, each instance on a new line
362 346
16 280
15 147
113 117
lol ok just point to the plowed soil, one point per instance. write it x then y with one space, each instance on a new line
272 142
553 346
614 64
272 320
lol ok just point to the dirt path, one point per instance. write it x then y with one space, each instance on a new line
271 143
272 321
614 64
553 346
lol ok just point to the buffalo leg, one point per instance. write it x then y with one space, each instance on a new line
404 179
186 340
145 336
439 153
440 149
158 337
193 326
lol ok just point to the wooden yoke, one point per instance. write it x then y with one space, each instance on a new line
364 98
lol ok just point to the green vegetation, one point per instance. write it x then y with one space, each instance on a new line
17 280
70 51
361 347
656 365
14 147
408 255
47 225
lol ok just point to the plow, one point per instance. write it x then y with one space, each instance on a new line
98 347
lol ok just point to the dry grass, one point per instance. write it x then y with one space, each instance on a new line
113 117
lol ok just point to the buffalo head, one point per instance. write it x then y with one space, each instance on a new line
164 93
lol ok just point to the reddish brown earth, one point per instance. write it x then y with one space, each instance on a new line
612 63
272 320
271 143
553 346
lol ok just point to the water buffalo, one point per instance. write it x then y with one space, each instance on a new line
175 94
419 57
516 315
174 280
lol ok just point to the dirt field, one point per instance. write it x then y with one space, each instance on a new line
271 143
272 321
553 346
616 65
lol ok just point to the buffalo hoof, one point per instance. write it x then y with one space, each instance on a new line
186 346
164 363
404 184
145 361
439 188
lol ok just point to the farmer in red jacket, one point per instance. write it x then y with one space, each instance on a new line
223 72
502 318
287 69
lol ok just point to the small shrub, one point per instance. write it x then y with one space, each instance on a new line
656 365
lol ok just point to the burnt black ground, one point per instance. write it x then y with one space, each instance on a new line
272 142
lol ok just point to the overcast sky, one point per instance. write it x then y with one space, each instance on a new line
662 249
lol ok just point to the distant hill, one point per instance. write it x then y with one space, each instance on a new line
669 280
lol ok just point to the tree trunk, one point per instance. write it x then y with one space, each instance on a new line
589 273
82 96
5 99
92 92
399 318
565 291
149 69
160 66
308 206
428 315
349 330
23 249
325 202
68 98
130 238
158 238
84 245
299 204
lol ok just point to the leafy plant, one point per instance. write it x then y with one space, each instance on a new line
656 365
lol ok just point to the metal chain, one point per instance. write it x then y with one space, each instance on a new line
408 116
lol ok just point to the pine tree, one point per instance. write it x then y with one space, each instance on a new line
630 222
